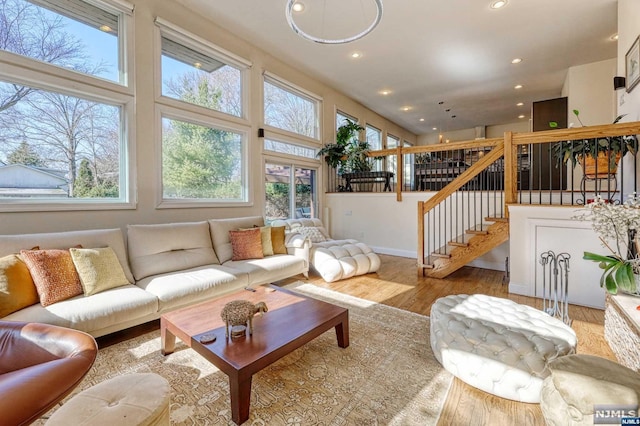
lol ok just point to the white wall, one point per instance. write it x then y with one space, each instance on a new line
495 131
589 89
628 31
147 138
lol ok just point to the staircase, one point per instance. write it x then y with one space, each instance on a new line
462 221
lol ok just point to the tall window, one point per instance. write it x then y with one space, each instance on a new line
291 109
374 137
65 146
204 153
392 162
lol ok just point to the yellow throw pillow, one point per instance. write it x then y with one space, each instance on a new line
17 290
246 244
277 240
53 273
98 268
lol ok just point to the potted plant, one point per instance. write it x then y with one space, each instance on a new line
616 226
335 154
598 157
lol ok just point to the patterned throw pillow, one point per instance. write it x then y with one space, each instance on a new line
313 233
99 269
277 239
53 273
265 237
246 244
17 290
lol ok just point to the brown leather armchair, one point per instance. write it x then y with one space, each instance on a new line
40 364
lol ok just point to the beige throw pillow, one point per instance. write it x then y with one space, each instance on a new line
265 237
313 233
99 269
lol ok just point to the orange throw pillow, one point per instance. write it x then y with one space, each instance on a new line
16 286
246 244
277 240
53 273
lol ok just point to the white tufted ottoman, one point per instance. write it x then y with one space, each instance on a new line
140 399
497 345
333 259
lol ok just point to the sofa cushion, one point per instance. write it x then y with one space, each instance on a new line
111 308
177 289
53 273
220 233
17 290
246 244
57 240
98 269
270 269
156 249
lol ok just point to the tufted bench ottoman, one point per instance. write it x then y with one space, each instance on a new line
139 399
333 259
497 345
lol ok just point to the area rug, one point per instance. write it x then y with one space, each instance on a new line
387 376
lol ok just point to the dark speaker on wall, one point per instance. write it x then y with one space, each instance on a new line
619 83
261 133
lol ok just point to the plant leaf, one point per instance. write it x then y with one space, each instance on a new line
576 112
553 124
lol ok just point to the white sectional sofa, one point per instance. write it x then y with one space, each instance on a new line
168 266
333 259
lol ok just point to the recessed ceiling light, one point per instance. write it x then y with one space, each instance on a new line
405 108
298 7
105 28
422 119
516 60
498 4
518 86
614 37
356 55
521 116
520 104
385 92
434 128
197 64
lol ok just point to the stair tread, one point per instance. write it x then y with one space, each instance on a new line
496 219
461 240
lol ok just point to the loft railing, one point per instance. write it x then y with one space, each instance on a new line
529 173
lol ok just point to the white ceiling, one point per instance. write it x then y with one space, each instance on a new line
425 51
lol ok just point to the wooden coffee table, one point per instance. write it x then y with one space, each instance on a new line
292 321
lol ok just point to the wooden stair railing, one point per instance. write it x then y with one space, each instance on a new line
475 241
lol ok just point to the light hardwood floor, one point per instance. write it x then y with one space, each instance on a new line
398 284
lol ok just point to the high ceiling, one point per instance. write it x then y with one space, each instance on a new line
458 52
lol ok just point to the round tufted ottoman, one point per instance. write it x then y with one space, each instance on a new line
497 345
578 383
139 399
339 259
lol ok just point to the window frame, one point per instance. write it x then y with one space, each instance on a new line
166 107
294 89
164 111
164 28
34 73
